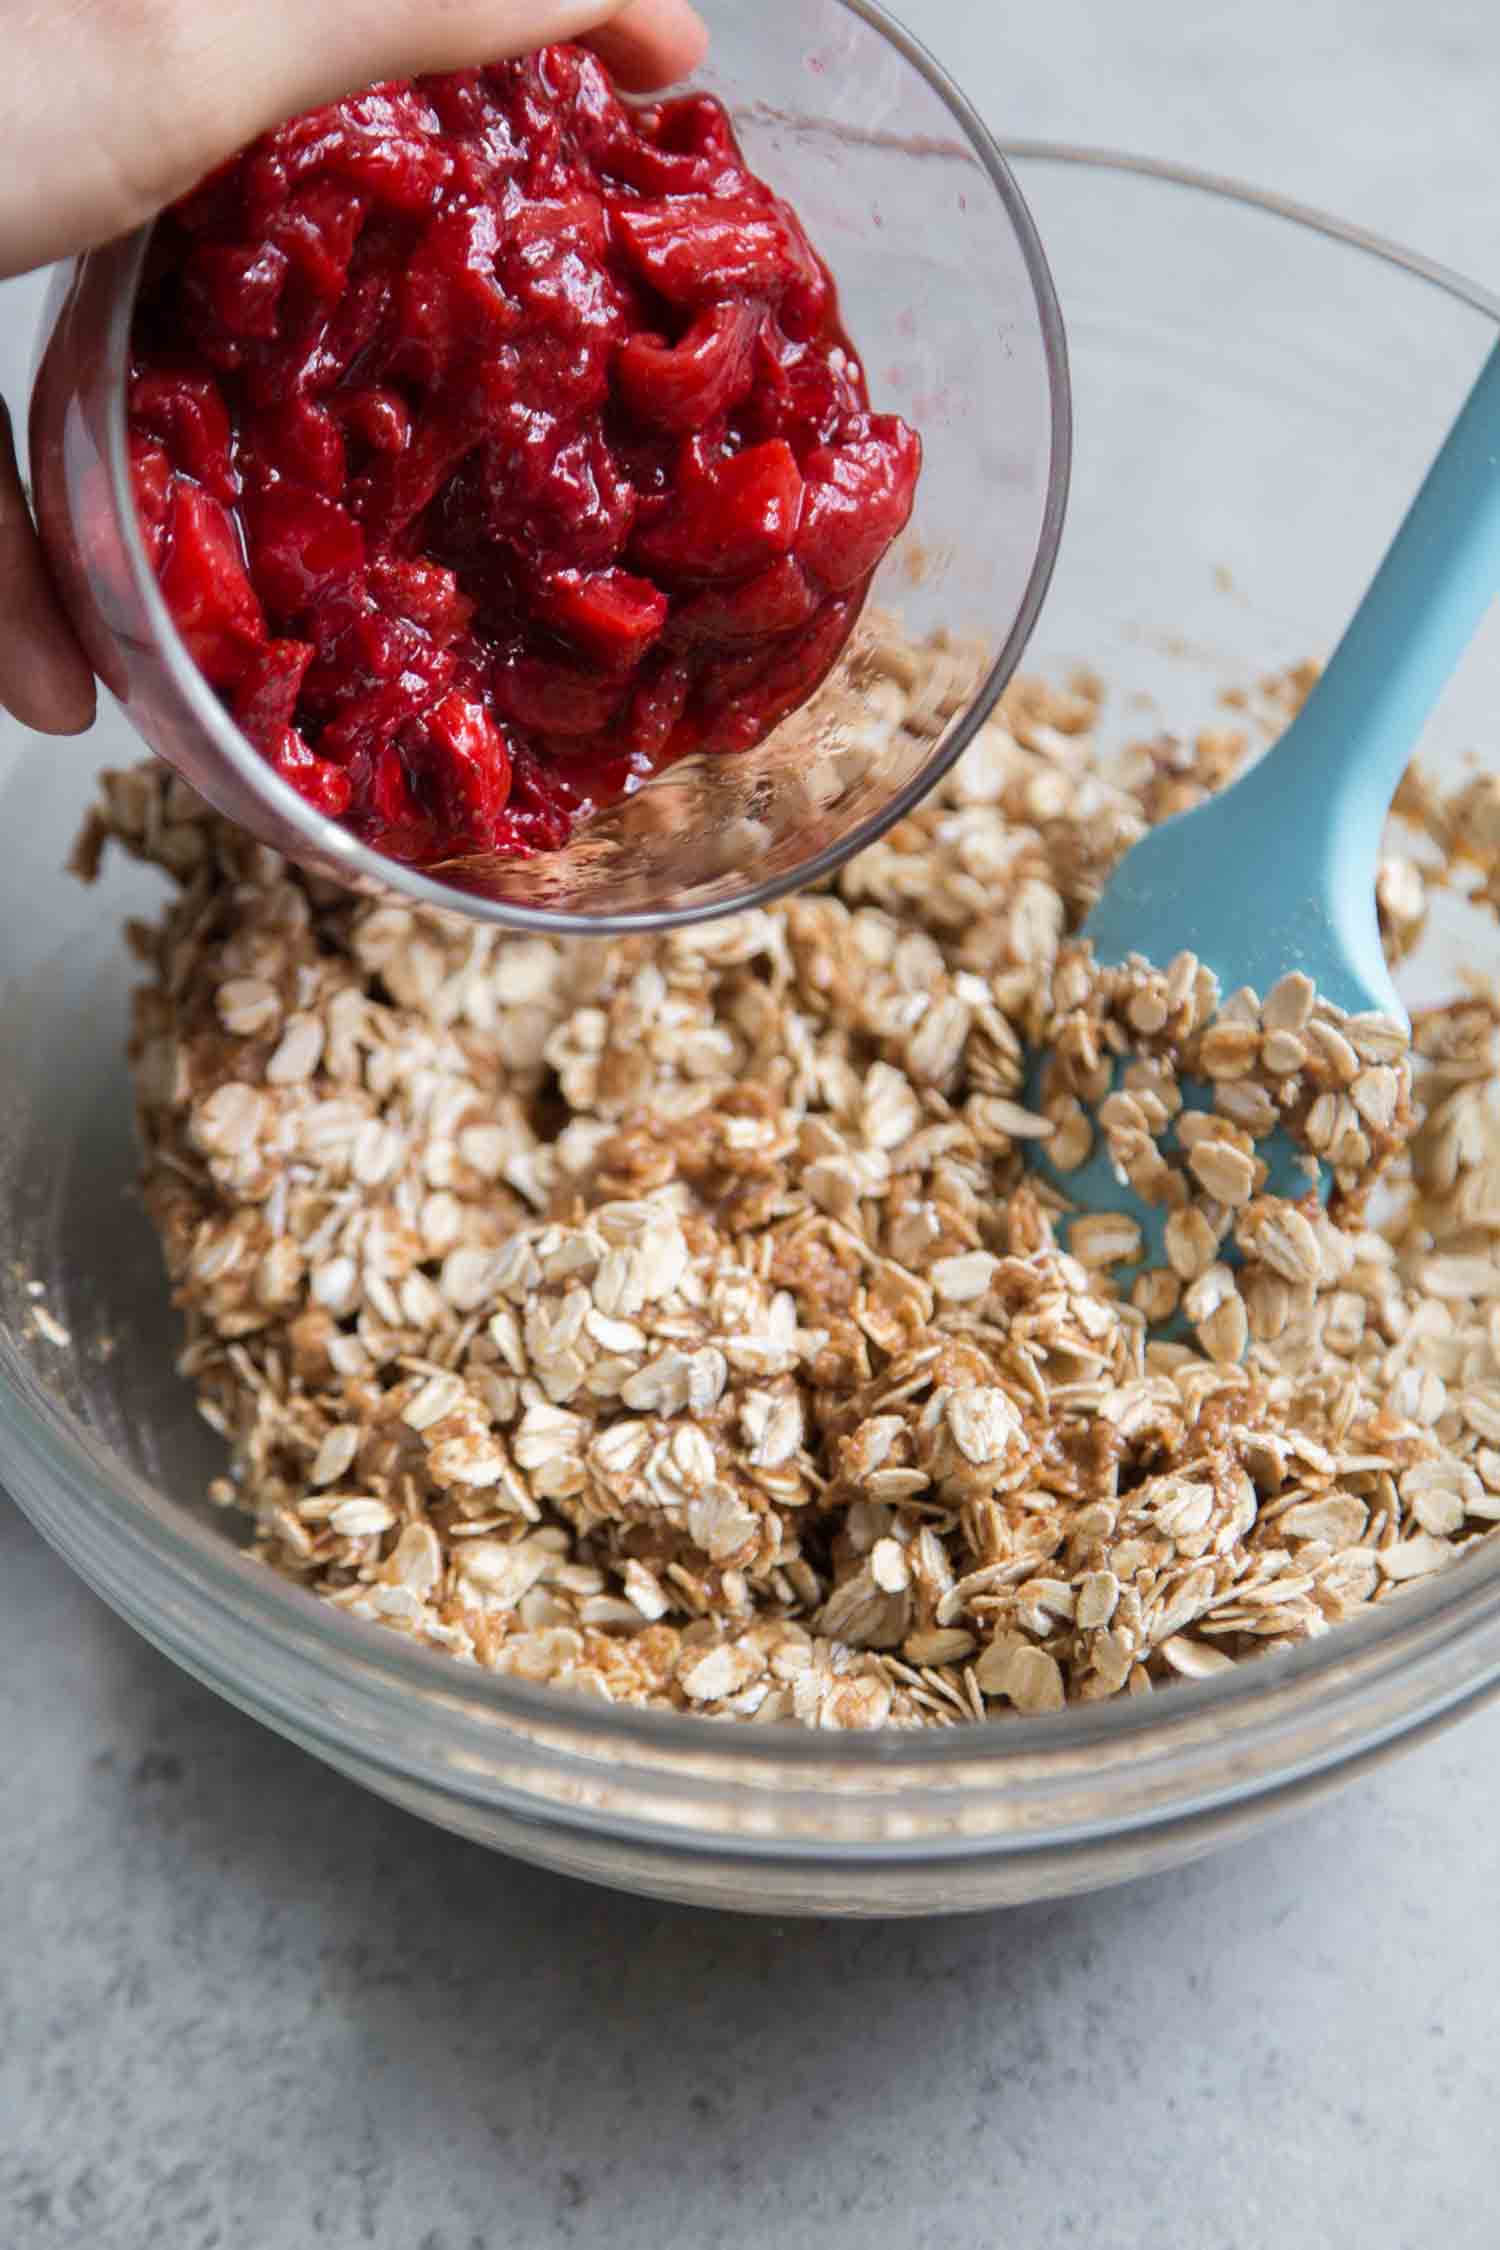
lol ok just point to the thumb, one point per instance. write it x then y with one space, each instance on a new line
139 101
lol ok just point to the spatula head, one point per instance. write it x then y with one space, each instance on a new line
1252 893
1254 884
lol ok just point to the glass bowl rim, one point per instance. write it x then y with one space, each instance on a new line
1427 1619
366 869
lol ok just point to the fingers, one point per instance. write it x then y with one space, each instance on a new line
651 43
141 99
44 675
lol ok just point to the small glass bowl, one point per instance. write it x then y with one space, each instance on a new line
947 295
1259 392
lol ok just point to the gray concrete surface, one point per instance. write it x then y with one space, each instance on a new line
244 2007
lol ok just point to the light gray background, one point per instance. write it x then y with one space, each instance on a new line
243 2005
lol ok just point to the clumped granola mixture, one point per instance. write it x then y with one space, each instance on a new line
677 1319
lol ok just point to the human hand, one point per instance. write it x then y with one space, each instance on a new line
112 112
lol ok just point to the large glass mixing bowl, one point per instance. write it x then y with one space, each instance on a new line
1258 392
945 292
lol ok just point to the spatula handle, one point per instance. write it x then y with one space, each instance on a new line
1404 642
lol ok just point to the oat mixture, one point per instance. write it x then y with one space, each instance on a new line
677 1319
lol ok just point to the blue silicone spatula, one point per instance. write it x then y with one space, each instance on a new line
1278 871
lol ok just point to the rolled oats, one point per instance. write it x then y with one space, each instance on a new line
677 1318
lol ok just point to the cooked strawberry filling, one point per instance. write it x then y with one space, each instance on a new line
496 444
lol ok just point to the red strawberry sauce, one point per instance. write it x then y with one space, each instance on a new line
496 444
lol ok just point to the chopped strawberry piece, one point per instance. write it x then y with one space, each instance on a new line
578 92
450 303
315 230
265 696
656 710
465 112
385 810
301 544
777 680
362 722
377 418
553 699
683 147
777 600
730 520
151 481
423 593
186 412
610 617
563 498
798 395
859 500
205 587
542 806
401 487
464 764
685 386
302 442
332 344
380 142
317 779
696 250
240 285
